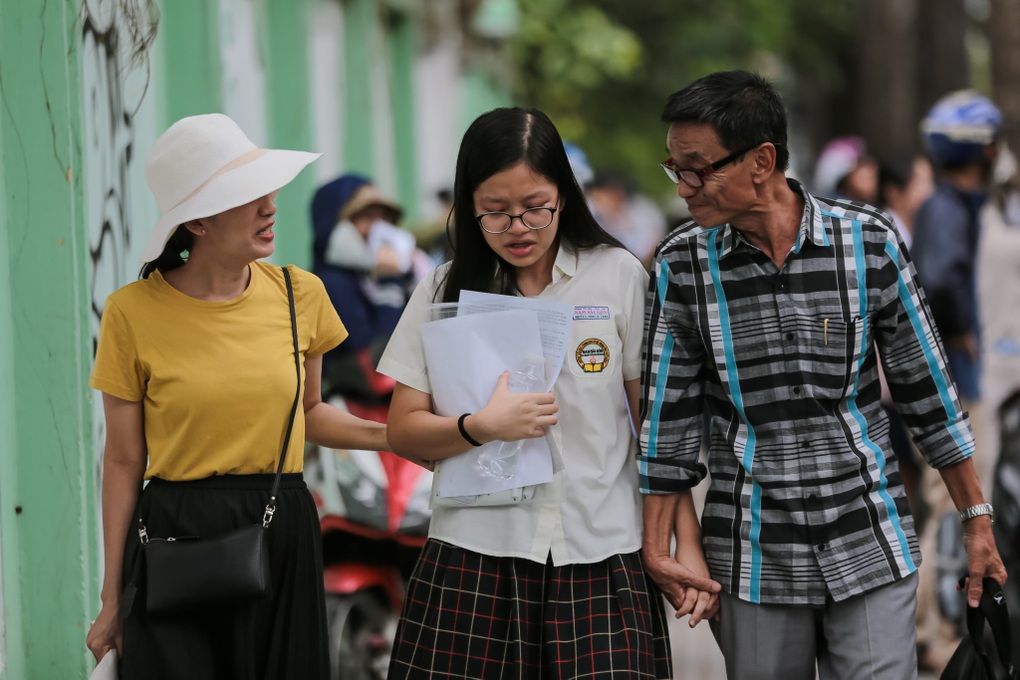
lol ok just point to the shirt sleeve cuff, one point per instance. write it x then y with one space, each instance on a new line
664 477
949 445
405 374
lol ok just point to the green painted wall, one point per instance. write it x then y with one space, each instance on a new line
289 123
12 641
481 93
360 21
50 500
189 81
402 47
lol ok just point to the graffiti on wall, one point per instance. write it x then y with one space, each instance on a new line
116 39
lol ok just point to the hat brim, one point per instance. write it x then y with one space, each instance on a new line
367 199
271 171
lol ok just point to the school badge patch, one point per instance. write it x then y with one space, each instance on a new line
592 355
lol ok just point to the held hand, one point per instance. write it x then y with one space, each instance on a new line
982 557
105 634
687 587
509 416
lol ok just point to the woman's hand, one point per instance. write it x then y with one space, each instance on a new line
509 416
106 633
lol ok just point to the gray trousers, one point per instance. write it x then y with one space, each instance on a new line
868 637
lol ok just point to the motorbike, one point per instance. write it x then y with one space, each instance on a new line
374 515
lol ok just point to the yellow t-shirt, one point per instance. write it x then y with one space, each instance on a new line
217 379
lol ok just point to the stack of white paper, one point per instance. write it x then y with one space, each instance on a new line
467 353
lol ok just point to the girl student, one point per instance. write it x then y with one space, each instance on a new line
553 587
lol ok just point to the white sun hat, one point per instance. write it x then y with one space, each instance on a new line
204 165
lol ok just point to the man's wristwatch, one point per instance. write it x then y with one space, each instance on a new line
976 511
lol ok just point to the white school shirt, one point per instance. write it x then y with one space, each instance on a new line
592 508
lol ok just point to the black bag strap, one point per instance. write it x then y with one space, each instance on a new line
271 506
992 608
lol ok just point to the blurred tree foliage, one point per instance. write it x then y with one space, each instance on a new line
602 69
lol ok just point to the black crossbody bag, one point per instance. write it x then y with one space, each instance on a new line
186 573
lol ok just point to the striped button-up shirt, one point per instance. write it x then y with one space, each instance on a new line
806 500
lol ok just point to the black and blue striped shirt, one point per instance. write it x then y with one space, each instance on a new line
806 499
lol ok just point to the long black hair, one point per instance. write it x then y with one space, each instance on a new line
498 140
173 255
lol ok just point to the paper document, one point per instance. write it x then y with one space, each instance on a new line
554 320
106 669
465 356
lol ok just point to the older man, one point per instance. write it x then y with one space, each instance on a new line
767 313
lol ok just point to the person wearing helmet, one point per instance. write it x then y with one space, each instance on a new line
961 134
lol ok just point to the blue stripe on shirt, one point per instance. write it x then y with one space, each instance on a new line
660 377
945 395
738 404
883 482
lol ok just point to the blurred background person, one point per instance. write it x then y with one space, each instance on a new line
369 266
903 186
583 172
999 302
845 170
431 233
998 285
961 134
634 219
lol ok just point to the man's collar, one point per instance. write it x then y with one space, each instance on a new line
812 227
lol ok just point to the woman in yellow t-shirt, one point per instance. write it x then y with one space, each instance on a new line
196 365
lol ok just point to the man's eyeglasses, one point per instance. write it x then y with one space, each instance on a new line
695 178
532 218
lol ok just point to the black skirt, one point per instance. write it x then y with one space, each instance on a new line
282 636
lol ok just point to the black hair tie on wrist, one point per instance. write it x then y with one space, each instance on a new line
464 433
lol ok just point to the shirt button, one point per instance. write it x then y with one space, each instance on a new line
822 547
796 390
789 336
805 445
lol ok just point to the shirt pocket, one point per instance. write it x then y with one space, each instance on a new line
594 352
827 355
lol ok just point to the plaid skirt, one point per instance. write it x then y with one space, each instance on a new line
469 615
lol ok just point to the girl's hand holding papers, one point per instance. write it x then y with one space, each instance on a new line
509 417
